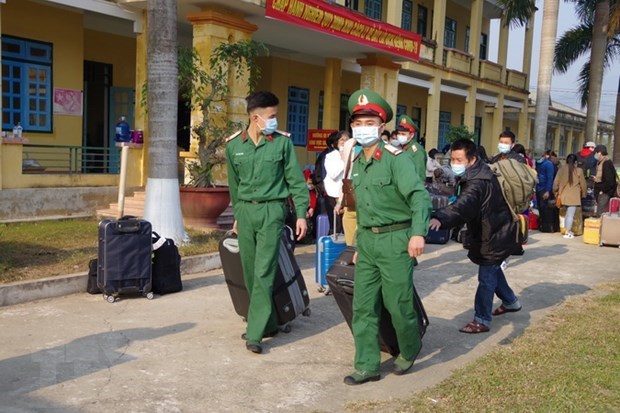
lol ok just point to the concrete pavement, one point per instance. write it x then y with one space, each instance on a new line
183 352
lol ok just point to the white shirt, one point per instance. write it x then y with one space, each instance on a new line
431 165
334 172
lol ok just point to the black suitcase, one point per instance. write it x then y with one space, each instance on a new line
340 279
166 266
290 295
549 219
124 258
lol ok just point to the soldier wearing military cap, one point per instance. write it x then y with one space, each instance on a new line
263 171
393 211
406 131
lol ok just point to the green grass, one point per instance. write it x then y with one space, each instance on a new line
40 249
570 362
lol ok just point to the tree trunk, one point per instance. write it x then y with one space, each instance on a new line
616 151
163 206
545 70
597 59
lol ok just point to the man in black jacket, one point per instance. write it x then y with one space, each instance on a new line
492 232
604 180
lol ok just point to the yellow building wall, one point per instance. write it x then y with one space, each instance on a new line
63 29
119 51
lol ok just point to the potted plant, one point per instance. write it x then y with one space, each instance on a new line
207 90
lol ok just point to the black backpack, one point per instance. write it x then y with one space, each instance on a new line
166 266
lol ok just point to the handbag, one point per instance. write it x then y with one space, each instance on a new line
558 199
348 193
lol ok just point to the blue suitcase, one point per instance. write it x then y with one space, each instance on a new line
329 248
322 227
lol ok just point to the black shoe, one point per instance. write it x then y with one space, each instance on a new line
254 347
361 377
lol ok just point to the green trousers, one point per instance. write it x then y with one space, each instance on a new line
383 275
259 228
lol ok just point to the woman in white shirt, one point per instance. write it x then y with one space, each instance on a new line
431 165
334 172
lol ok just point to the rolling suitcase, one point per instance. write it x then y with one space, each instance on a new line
322 226
440 236
329 247
592 231
124 257
166 266
549 219
613 206
290 295
610 230
341 280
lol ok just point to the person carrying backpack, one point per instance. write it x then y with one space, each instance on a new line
586 160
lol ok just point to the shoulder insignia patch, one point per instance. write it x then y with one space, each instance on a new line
233 136
393 150
284 133
414 148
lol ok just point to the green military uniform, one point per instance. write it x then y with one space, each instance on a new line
392 206
261 177
413 148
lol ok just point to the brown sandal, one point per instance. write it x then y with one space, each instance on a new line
503 310
474 327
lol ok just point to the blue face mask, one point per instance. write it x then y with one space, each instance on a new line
503 148
271 125
597 158
458 169
366 135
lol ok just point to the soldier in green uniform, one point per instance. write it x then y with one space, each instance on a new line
393 210
406 131
263 171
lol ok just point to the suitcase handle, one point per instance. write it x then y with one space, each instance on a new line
128 225
347 285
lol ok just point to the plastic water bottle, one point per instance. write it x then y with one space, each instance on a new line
122 130
17 130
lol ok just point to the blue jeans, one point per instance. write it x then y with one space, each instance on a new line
491 280
569 218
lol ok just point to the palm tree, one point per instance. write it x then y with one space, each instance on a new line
163 207
517 13
599 33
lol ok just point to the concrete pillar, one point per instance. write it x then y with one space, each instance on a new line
439 22
475 31
469 112
331 93
380 74
502 53
394 13
581 139
498 118
433 105
556 138
527 49
523 132
211 27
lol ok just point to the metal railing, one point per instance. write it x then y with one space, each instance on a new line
64 159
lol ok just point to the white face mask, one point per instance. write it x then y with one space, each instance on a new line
503 147
458 169
395 142
403 139
271 125
366 135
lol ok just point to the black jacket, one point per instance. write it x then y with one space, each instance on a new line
608 182
510 155
492 232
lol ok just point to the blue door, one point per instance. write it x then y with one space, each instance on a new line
445 120
121 104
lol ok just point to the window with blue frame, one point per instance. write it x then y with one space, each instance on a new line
407 15
297 120
450 33
26 84
422 20
373 9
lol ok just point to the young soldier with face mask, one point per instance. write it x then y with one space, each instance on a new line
504 146
405 139
393 209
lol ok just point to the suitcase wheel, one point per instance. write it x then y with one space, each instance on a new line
286 329
149 295
109 298
320 289
307 312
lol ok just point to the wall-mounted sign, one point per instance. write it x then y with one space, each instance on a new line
317 139
342 22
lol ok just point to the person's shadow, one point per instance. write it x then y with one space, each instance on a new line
83 356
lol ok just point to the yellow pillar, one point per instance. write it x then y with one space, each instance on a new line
581 139
469 113
380 74
475 31
211 27
556 139
394 13
527 49
523 132
433 105
439 22
331 93
141 119
498 118
502 53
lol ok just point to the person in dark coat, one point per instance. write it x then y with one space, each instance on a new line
604 180
492 232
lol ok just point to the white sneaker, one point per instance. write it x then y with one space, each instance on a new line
569 235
